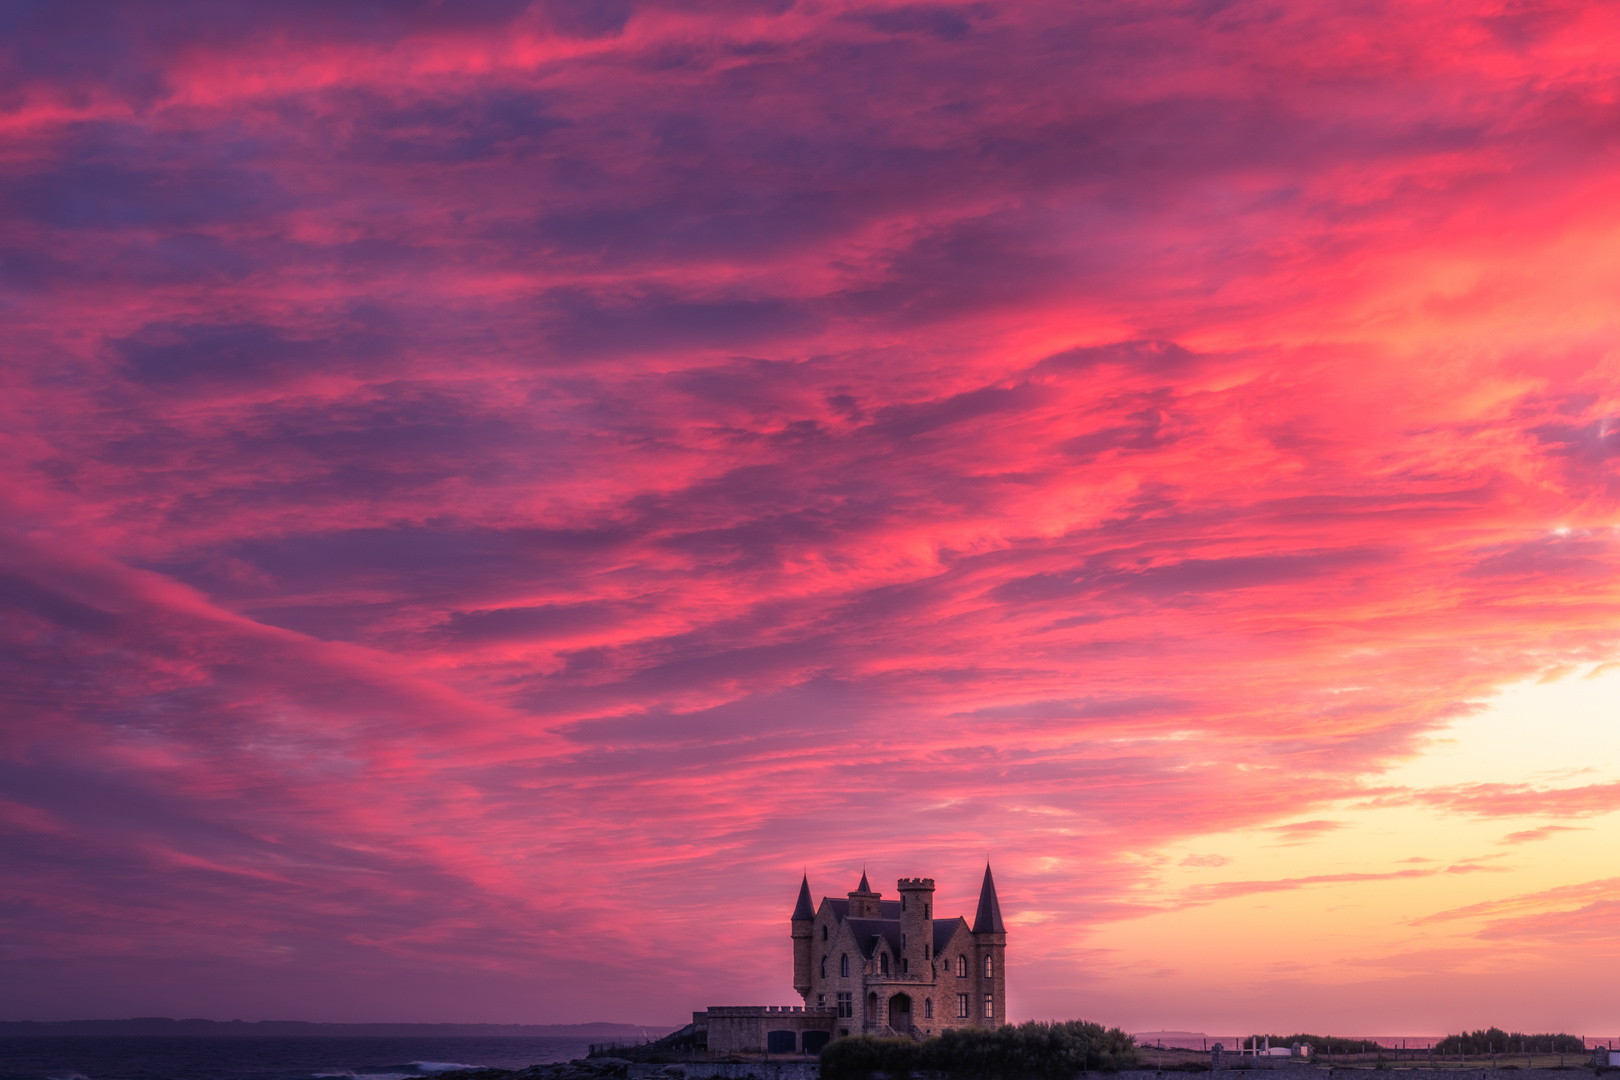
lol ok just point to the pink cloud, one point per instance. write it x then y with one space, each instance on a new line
477 477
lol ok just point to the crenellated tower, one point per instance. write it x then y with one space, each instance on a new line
916 925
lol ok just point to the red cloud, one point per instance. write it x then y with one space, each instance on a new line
478 478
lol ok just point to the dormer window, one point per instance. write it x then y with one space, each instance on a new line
883 963
843 966
961 969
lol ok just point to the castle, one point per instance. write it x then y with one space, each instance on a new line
890 967
870 966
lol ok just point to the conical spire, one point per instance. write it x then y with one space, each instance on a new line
988 918
803 909
863 886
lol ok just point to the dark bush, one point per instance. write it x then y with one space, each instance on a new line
1032 1051
1496 1041
859 1056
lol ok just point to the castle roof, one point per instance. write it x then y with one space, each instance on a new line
988 918
867 932
803 909
863 886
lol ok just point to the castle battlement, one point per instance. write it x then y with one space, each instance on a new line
915 883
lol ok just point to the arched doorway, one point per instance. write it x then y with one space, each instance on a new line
900 1013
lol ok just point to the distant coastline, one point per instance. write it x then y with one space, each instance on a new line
163 1025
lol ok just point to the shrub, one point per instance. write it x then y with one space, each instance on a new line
1032 1051
1494 1040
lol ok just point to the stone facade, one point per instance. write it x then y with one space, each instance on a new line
775 1029
889 967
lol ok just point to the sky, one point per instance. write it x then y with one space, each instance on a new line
490 493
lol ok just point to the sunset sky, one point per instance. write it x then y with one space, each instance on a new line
491 492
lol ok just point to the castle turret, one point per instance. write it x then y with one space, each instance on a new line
916 925
990 941
863 902
804 916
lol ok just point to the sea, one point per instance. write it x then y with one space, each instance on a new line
295 1057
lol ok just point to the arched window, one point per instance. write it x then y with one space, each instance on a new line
928 1008
989 968
843 966
883 963
961 969
823 967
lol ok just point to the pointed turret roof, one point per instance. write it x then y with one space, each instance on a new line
803 909
988 918
863 886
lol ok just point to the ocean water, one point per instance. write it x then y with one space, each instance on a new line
161 1057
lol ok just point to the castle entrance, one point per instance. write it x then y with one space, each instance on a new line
900 1013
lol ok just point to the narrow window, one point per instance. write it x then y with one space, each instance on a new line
821 1000
823 933
902 901
926 954
989 1006
823 967
883 963
905 966
846 1004
843 966
902 943
962 1005
961 969
989 968
925 910
928 1008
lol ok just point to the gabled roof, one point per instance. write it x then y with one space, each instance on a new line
943 929
803 910
869 931
988 918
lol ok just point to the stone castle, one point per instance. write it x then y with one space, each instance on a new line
889 967
870 966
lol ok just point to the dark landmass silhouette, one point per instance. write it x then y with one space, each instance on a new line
163 1025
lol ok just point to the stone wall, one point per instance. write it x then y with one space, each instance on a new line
747 1029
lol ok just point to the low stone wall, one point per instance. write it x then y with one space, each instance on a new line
714 1070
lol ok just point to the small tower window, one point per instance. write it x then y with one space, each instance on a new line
902 901
926 955
928 1008
823 967
989 968
925 910
883 963
823 933
961 969
989 1006
843 966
